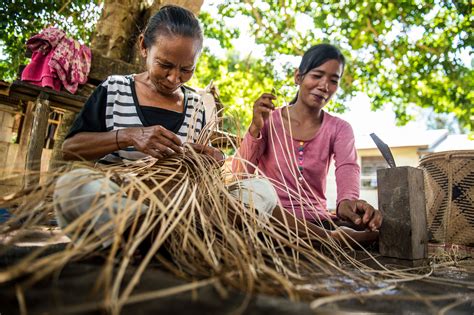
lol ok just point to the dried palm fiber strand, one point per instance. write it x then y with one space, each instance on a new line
209 235
197 218
449 189
451 253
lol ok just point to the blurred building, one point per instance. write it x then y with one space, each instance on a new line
408 145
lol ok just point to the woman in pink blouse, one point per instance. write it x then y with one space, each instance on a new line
294 145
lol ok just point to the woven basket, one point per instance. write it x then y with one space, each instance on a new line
449 189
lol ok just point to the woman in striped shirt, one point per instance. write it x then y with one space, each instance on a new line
150 113
129 117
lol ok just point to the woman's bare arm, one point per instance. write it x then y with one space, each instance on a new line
156 141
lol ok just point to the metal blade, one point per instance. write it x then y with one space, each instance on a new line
384 149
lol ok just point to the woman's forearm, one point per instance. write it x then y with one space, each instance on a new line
302 229
248 154
254 130
93 145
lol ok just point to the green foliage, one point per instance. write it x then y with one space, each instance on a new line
240 83
19 20
386 58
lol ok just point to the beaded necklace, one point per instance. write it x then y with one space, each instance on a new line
300 160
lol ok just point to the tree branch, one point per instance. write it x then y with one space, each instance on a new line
258 18
371 28
64 6
428 49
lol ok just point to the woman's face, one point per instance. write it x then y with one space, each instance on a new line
319 84
171 61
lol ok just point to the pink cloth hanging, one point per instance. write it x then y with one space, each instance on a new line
38 72
57 60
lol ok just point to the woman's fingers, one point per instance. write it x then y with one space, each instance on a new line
199 148
154 153
158 141
347 210
167 146
360 212
170 139
263 111
266 101
216 154
371 217
376 221
164 149
366 209
353 217
262 108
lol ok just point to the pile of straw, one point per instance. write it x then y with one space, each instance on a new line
196 230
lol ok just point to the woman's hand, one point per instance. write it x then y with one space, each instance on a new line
262 108
350 235
156 141
216 154
360 213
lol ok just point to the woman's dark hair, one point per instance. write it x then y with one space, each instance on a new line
172 20
316 56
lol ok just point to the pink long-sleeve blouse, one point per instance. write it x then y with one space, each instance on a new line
298 169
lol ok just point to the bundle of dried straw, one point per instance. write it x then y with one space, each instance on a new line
197 230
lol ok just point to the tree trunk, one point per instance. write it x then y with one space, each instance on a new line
36 142
115 29
122 21
192 5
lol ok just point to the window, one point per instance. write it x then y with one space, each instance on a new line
10 122
54 121
370 165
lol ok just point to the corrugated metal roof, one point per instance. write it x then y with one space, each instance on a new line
454 142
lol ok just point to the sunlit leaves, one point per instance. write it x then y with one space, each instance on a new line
240 82
400 53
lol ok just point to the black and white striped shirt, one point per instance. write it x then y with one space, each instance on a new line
114 105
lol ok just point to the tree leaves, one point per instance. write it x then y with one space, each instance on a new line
19 20
404 53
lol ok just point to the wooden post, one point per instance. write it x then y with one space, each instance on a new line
37 138
401 195
25 132
57 154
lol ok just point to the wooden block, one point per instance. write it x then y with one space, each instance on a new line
401 196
